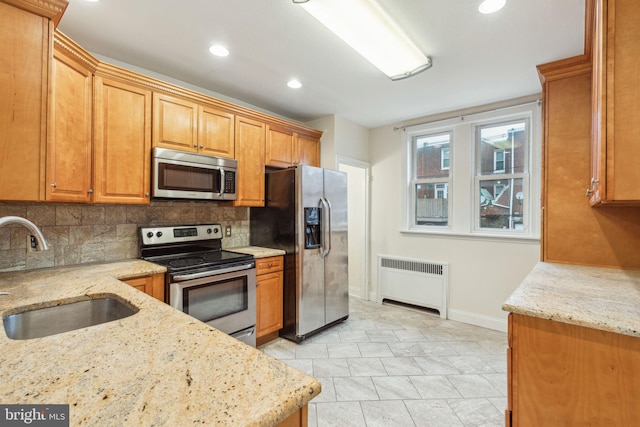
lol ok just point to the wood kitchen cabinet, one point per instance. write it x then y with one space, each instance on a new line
152 284
279 148
269 293
615 99
26 31
250 147
183 124
308 150
68 170
286 148
122 142
567 375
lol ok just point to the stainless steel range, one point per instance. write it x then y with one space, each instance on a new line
213 285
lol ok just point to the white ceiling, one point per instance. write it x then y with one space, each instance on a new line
477 58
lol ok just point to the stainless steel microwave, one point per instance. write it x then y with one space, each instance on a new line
183 175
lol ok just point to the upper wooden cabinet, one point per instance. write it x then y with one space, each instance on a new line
279 149
24 40
122 142
286 148
68 170
216 132
250 148
183 124
615 99
308 150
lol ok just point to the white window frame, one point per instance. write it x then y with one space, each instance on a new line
495 161
504 176
463 199
413 182
447 158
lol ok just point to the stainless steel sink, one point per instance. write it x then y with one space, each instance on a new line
47 321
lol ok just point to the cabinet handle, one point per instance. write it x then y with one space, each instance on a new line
270 265
146 194
90 191
54 185
201 146
195 145
589 192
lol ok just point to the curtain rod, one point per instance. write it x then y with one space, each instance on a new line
462 116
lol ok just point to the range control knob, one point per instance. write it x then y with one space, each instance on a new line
159 234
216 231
209 231
150 234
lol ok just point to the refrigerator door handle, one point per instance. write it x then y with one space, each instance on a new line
326 219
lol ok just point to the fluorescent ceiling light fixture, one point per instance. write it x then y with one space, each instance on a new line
491 6
364 26
219 50
294 84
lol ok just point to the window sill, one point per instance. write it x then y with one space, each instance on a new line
525 239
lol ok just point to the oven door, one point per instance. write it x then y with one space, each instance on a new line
225 301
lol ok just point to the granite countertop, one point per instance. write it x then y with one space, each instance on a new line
156 367
258 251
600 298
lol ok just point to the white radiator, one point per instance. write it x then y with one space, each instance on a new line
412 281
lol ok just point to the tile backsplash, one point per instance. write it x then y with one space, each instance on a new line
79 234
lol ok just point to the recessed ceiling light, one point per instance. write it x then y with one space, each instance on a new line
294 84
491 6
219 50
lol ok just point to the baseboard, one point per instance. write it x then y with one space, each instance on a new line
494 323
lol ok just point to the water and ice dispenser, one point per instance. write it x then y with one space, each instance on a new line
312 232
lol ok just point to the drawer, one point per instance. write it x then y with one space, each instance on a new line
269 265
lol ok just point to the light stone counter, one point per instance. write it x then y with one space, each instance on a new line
258 251
598 298
156 367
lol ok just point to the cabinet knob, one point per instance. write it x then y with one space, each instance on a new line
270 264
54 185
146 194
201 146
589 192
90 191
195 145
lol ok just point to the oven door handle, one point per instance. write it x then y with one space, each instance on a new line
182 278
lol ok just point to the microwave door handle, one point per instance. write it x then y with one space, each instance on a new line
221 182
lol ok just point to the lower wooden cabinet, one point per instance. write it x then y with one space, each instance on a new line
298 419
269 288
567 375
152 284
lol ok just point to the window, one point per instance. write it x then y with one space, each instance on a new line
444 159
488 185
498 161
501 187
430 179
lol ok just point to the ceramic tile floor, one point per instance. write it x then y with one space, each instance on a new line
393 366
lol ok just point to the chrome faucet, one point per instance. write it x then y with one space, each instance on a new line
36 235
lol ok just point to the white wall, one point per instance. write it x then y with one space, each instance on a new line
341 137
483 271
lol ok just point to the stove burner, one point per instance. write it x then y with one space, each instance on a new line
186 262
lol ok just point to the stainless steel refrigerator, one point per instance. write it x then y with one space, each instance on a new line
305 214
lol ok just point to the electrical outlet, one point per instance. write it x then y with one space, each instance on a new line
227 231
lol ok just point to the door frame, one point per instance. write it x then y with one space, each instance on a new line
366 166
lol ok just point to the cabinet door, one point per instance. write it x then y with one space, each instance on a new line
616 95
250 136
268 303
152 285
175 123
279 149
122 143
308 151
216 132
69 140
23 94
